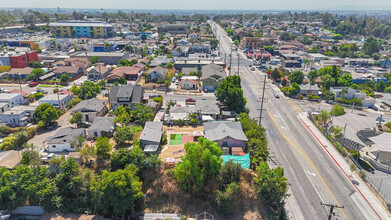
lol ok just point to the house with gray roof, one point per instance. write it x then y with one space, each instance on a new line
308 89
100 126
204 107
90 109
225 133
125 95
63 140
180 112
151 136
212 75
157 73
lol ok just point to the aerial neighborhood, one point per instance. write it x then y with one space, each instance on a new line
192 116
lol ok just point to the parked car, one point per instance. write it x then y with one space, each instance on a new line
43 91
32 84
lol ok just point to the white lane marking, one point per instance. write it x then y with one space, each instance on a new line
317 192
283 120
312 174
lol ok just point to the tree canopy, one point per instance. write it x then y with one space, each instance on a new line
230 93
46 113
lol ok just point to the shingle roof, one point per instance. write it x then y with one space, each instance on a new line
212 69
90 105
67 69
152 132
135 92
67 134
206 107
102 124
160 70
218 130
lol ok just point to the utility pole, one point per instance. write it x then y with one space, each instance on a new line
58 97
332 206
353 107
20 84
238 63
230 61
263 95
343 137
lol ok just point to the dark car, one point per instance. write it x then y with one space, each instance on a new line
52 125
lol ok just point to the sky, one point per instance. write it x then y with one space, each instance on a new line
202 4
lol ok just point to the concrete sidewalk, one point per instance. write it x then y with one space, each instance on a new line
361 188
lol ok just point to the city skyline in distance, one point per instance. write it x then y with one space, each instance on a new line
203 5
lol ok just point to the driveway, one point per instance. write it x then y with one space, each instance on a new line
63 122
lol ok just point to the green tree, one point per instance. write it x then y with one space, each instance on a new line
35 64
370 46
226 200
271 187
339 110
230 93
103 148
201 162
88 90
296 76
77 119
46 113
328 81
123 134
94 59
345 80
73 102
35 74
229 173
64 78
230 32
117 193
324 116
123 157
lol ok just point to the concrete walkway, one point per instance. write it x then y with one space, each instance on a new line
361 188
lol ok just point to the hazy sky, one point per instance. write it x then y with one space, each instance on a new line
198 4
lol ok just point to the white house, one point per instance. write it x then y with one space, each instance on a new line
12 99
348 93
157 73
188 84
90 109
63 140
18 116
55 99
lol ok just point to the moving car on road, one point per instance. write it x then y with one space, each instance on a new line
32 84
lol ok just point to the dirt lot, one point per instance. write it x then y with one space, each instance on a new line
164 195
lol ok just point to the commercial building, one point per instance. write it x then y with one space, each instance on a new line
252 42
173 29
17 59
12 99
82 29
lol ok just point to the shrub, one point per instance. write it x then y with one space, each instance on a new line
313 97
4 130
363 175
226 200
229 173
388 125
339 110
365 165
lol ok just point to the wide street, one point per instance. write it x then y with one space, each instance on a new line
313 175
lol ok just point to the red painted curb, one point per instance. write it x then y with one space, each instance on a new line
340 167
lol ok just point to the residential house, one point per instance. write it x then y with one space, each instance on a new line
194 35
157 73
189 84
4 106
180 51
151 136
101 126
19 73
97 72
56 100
63 140
12 99
128 72
348 93
91 109
70 70
81 62
308 89
180 112
225 133
212 75
189 70
125 95
207 109
18 116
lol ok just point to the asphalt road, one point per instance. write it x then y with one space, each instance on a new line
313 175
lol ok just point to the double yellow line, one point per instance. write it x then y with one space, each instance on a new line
308 159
